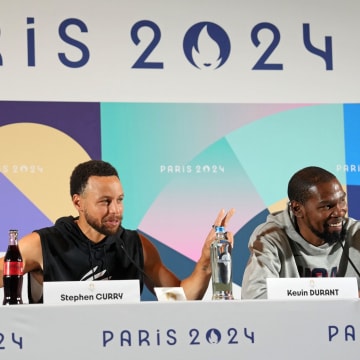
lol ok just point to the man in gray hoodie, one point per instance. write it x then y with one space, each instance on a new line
311 238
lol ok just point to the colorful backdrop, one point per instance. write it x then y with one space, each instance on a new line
199 106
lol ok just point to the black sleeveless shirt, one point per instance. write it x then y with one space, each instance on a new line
68 255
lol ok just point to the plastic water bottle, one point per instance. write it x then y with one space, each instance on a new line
221 266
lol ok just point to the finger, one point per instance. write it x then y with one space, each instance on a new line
227 217
219 218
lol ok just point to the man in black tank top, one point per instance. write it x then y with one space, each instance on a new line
94 245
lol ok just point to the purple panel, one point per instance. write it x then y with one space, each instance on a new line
18 211
81 121
353 194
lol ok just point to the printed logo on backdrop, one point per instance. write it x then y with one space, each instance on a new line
226 336
206 45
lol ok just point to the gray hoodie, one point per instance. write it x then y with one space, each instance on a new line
278 250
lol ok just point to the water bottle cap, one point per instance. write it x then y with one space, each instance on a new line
219 228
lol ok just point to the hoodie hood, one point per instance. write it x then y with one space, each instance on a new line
67 225
286 221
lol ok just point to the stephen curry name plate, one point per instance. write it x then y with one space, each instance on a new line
83 292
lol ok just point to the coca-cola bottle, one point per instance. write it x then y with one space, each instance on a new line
13 271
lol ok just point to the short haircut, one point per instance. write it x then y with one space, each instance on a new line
301 182
80 175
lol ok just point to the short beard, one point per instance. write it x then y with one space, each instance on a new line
100 228
330 237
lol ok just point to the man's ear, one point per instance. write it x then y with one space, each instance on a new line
296 208
76 201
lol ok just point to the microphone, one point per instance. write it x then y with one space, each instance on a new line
346 253
345 258
141 271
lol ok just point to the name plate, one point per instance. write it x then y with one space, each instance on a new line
312 288
86 292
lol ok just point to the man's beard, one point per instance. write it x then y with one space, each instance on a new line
330 237
99 227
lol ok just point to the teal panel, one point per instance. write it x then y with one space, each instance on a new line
271 149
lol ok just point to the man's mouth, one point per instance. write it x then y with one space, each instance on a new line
113 222
335 226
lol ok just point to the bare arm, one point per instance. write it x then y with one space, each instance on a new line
31 252
158 274
196 284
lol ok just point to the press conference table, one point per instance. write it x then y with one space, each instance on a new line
253 329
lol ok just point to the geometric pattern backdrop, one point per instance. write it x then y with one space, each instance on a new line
179 163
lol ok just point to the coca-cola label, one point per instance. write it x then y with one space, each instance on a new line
13 268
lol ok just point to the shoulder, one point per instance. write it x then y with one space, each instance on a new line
33 237
49 235
130 239
274 227
46 231
149 250
145 241
353 228
31 251
274 234
352 223
127 233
